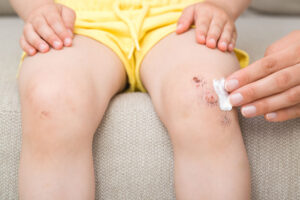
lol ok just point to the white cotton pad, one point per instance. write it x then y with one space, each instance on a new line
219 86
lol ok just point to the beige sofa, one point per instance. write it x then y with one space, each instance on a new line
132 151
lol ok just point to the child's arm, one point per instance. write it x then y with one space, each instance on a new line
214 21
233 7
24 7
46 24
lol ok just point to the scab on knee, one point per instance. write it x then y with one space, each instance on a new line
199 81
207 93
209 98
44 114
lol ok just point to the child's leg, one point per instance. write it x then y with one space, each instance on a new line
63 97
210 157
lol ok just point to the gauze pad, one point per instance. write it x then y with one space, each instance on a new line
219 86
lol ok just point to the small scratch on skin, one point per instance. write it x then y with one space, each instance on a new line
199 81
196 79
210 98
226 120
206 94
44 114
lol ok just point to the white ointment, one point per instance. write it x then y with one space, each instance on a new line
219 86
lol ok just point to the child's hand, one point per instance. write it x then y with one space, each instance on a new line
214 26
50 25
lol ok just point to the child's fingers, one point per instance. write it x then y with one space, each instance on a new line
68 16
203 21
34 39
42 28
225 38
56 23
214 31
185 20
30 50
233 41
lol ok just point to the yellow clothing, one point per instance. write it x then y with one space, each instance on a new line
130 28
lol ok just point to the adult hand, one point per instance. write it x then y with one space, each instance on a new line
48 25
214 25
271 85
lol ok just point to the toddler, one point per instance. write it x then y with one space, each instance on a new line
78 54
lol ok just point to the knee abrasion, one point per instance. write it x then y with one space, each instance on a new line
210 98
208 95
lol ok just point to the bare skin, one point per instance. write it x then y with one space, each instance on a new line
63 98
209 153
214 22
64 95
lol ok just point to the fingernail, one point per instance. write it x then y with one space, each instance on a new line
223 45
202 38
43 47
212 42
249 111
230 47
56 44
236 99
70 32
179 26
67 41
231 84
31 51
271 115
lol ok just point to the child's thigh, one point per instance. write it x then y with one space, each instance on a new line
178 74
88 69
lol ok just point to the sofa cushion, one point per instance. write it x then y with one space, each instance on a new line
277 6
5 8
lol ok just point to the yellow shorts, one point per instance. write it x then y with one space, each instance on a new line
130 28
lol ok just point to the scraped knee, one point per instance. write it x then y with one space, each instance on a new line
205 90
195 98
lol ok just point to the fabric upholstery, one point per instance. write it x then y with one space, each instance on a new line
131 148
277 6
5 8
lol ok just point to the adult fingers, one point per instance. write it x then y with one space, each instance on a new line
270 85
34 39
284 114
283 42
263 67
276 102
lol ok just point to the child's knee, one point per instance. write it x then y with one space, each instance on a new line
58 111
192 114
193 98
47 95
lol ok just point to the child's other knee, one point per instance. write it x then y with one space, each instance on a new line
45 94
59 111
